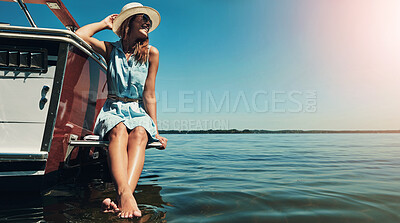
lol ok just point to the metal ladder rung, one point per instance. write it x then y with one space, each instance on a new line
93 142
85 143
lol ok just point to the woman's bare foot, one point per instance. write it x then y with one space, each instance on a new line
109 206
127 206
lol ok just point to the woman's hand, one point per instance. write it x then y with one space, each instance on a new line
109 20
163 140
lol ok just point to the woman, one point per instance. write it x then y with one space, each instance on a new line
128 117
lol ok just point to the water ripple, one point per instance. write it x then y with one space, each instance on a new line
245 178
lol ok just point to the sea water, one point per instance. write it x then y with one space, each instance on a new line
243 178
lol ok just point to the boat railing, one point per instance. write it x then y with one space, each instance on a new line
52 34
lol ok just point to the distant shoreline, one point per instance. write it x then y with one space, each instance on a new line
248 131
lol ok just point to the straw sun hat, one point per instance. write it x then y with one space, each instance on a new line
134 8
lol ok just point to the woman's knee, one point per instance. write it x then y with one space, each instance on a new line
118 131
138 133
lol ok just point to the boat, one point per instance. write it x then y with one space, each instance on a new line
52 87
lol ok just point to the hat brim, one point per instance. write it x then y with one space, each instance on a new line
152 13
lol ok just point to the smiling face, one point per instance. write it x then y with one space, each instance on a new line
140 26
134 36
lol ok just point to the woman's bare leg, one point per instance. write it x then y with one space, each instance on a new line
118 161
137 141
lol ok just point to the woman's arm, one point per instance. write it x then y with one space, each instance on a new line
149 95
86 33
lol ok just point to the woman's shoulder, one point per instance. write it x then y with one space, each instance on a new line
109 48
153 51
115 44
109 45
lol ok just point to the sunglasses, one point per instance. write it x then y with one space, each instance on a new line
146 18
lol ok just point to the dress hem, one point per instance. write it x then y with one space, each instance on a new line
150 137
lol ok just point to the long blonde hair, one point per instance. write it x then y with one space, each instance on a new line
140 48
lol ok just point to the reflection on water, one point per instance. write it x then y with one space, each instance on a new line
75 202
242 178
20 207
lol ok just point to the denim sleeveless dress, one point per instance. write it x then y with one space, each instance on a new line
125 79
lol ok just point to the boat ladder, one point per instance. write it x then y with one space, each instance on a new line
90 141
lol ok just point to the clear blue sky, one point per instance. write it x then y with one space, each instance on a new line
264 64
